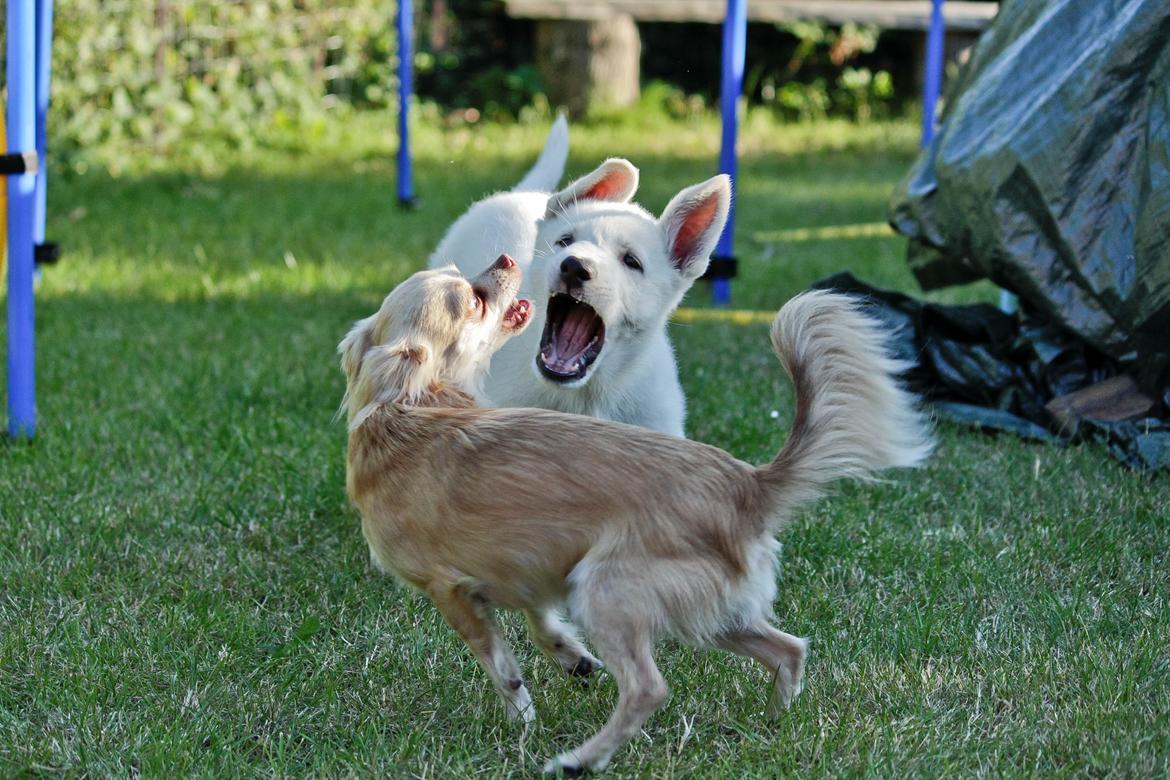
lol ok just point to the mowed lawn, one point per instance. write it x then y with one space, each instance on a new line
184 591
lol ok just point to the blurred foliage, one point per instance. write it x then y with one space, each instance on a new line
474 60
477 62
143 77
137 76
802 70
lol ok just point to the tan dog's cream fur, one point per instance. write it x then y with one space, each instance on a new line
638 533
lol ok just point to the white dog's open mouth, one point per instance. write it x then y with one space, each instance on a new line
518 314
572 339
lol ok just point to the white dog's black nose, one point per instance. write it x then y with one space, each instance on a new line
574 273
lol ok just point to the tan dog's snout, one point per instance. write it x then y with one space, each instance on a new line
500 280
498 286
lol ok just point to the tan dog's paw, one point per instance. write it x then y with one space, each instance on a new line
564 765
585 666
519 707
789 681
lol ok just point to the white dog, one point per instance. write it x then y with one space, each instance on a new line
605 276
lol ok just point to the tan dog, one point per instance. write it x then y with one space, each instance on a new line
639 533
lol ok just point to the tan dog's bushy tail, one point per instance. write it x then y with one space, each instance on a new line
852 416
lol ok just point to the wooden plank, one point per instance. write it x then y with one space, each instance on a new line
1111 400
889 14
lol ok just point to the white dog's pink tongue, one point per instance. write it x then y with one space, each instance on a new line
579 329
575 335
576 332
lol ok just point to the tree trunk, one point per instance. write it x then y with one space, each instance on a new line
589 64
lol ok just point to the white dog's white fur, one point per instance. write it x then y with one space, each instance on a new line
588 244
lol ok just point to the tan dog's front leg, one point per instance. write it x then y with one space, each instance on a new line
473 620
559 641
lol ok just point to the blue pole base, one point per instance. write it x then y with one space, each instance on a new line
720 271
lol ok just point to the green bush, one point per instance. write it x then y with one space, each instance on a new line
823 77
137 80
801 70
475 61
140 76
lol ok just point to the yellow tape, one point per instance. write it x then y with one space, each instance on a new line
827 233
733 316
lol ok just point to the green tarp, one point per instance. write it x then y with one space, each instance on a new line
1050 175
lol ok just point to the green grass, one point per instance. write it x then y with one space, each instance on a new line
184 590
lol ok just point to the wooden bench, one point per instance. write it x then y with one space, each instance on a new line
588 51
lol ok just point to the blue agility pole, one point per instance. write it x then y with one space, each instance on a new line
932 86
42 252
405 88
932 78
22 408
723 264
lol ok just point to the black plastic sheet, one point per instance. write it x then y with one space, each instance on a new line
1050 175
981 367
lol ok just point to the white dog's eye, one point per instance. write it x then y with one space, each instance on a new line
631 261
565 240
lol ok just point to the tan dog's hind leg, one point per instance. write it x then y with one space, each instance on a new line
627 650
780 653
558 641
473 620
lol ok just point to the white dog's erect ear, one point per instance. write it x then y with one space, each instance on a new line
615 180
693 221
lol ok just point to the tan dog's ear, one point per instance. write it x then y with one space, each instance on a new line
401 372
615 180
354 347
693 221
